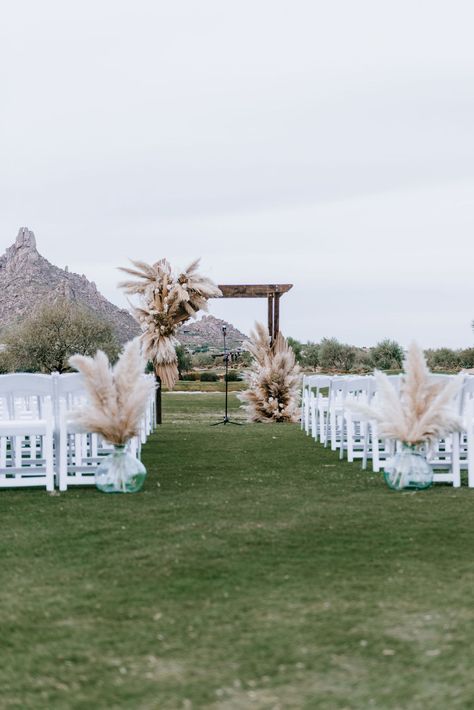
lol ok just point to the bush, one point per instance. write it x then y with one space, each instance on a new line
209 377
233 376
245 358
310 355
387 355
297 348
363 361
184 360
190 376
202 360
443 359
466 357
334 355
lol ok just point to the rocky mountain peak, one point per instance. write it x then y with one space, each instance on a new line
28 280
25 239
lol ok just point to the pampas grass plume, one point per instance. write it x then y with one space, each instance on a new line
117 396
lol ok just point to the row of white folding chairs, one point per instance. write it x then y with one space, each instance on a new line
38 443
331 420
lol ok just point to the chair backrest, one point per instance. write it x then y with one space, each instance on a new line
26 383
23 395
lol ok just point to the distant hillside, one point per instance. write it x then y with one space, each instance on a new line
208 332
28 279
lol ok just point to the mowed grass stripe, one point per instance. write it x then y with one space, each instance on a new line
255 570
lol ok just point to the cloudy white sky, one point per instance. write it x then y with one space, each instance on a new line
326 144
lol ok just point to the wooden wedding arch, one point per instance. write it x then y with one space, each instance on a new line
272 292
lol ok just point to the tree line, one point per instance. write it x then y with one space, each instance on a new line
44 342
332 355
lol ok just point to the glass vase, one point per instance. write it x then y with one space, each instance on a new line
408 468
120 472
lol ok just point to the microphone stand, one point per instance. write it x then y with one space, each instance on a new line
226 419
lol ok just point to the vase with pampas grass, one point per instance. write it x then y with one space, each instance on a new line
117 400
274 380
420 414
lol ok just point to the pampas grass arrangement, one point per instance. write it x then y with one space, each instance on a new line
118 396
423 411
274 381
166 301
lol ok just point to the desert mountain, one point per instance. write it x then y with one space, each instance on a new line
208 332
28 279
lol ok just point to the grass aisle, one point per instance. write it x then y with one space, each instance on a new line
260 573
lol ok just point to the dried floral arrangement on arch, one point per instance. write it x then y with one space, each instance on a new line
424 409
166 301
274 380
118 396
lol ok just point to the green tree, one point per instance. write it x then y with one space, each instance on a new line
184 360
310 355
45 340
387 355
297 348
443 359
466 357
334 355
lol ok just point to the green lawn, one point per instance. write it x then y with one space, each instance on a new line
254 571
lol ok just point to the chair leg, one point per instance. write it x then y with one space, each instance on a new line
470 456
63 459
48 451
350 439
455 462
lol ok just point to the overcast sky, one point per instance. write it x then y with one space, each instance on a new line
329 144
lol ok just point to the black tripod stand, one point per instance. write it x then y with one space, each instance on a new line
226 419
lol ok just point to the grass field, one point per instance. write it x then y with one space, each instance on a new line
254 571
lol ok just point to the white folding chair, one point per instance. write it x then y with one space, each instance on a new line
354 428
26 431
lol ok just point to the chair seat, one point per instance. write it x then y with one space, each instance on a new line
17 427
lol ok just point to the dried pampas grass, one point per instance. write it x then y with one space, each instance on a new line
424 409
274 380
166 301
117 396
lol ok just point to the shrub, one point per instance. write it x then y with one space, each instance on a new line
310 355
334 355
443 359
202 360
466 357
209 377
190 376
184 360
245 358
363 361
297 348
233 376
387 355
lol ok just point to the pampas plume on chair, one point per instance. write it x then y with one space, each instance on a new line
274 381
166 301
118 396
424 409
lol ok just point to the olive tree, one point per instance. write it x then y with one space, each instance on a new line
45 341
387 355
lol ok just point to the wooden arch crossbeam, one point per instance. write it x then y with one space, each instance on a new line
272 292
